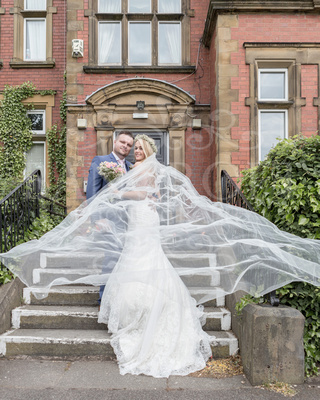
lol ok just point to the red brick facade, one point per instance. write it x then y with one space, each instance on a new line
224 53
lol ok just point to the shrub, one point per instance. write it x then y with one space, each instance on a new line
285 188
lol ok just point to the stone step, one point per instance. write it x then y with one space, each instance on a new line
88 295
85 343
85 318
203 278
83 260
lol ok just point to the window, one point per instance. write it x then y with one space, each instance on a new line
110 43
273 84
273 125
169 6
35 5
38 122
35 44
36 156
139 43
145 33
169 50
33 34
275 101
36 159
139 6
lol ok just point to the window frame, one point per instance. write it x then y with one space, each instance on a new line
273 70
25 39
94 66
274 111
19 36
43 112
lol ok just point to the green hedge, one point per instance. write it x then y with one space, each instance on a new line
285 188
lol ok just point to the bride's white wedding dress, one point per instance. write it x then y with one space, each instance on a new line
154 321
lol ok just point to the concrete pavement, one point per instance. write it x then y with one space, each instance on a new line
30 379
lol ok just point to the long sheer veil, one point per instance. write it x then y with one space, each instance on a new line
211 245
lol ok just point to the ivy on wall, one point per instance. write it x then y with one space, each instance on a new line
15 131
16 140
57 145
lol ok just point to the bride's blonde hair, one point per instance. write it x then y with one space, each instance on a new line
147 143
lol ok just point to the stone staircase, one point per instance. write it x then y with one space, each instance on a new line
65 323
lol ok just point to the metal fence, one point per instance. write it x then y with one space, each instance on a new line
20 208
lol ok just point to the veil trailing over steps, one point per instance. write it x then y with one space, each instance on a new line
212 246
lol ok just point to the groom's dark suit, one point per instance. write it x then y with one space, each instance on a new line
95 183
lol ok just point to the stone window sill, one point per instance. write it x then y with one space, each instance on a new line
32 64
101 69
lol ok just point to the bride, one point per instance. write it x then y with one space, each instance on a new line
167 239
154 321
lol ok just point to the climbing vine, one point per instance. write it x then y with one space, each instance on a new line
56 140
15 131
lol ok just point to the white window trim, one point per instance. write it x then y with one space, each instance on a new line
285 128
34 9
158 12
273 70
43 176
139 22
25 37
135 12
176 23
43 112
110 22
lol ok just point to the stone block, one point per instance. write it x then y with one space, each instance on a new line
272 344
228 20
75 25
10 297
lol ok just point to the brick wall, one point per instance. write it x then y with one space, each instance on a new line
271 28
42 78
199 144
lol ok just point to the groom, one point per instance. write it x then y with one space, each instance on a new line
121 149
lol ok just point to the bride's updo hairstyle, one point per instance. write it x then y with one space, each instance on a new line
147 143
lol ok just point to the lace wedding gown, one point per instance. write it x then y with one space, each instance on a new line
154 321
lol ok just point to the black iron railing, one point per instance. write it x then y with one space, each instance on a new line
54 208
231 194
19 209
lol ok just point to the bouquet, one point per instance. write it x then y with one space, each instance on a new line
110 170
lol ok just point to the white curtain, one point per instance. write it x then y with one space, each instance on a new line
107 34
110 6
140 6
35 4
35 40
169 6
172 34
